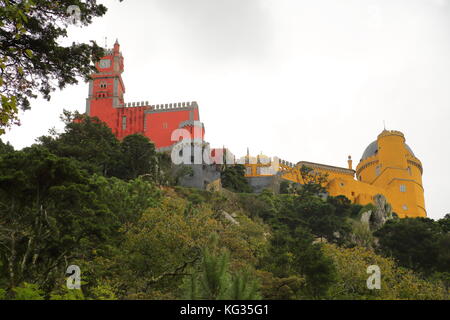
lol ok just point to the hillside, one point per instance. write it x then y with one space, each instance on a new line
113 208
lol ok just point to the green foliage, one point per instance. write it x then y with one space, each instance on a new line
312 182
214 279
138 157
47 207
244 287
233 178
445 223
294 253
92 143
2 294
82 197
103 292
28 291
87 140
416 243
63 293
215 282
396 282
284 187
32 60
5 148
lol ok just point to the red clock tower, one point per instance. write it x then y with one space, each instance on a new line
106 88
106 102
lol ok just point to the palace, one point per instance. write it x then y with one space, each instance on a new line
157 122
387 167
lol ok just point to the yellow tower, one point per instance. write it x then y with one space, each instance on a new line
388 167
390 164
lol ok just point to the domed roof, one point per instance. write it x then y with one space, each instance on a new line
372 149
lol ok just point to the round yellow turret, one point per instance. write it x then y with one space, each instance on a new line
390 164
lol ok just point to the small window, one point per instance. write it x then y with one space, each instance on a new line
409 171
402 188
124 122
377 170
164 125
342 184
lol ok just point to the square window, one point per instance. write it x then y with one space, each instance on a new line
402 188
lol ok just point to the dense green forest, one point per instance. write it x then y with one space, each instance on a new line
113 208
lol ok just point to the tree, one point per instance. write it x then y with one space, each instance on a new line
445 223
214 278
214 281
5 148
87 140
138 157
28 291
396 282
413 242
233 178
160 247
312 181
293 254
49 214
31 59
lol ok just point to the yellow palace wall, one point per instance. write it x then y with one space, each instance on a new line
390 168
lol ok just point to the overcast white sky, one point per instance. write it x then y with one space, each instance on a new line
302 80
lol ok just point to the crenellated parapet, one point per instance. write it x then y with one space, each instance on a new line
416 164
386 133
110 52
168 107
135 104
286 163
328 168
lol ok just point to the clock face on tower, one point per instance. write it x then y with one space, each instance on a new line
104 63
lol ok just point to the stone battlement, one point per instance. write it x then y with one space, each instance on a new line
110 52
386 133
176 105
286 163
135 104
167 106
